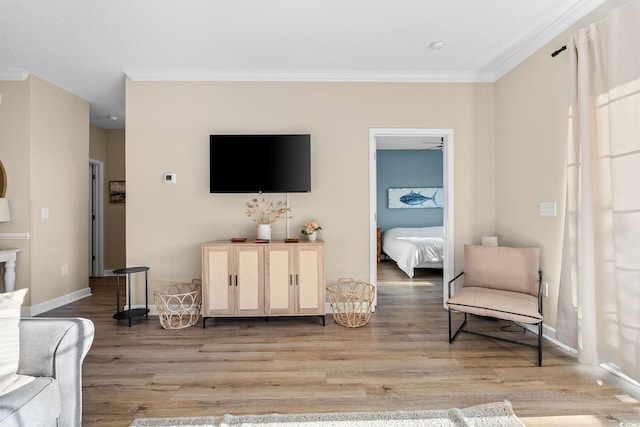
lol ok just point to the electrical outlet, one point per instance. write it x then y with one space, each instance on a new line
65 270
547 208
545 289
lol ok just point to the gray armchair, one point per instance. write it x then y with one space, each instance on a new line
52 350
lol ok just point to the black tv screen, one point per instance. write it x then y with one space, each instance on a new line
259 163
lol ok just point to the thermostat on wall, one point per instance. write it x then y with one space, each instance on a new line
170 178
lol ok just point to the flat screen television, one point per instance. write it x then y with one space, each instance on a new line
259 163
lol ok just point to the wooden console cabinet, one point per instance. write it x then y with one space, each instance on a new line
262 279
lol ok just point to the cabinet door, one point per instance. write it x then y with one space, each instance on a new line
217 291
249 280
310 279
279 277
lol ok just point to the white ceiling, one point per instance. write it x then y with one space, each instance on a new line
88 46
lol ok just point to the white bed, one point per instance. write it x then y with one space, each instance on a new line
421 247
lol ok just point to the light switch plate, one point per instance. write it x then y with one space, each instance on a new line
170 178
547 208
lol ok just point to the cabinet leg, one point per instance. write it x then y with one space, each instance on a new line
204 321
129 295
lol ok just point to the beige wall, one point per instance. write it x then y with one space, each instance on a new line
59 161
14 153
168 125
46 141
532 105
107 146
114 213
531 134
97 143
509 156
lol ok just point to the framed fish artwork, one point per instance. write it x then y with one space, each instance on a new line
416 198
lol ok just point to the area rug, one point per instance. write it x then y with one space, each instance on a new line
499 414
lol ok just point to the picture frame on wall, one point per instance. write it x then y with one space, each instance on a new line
117 193
416 198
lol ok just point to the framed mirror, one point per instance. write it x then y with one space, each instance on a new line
3 180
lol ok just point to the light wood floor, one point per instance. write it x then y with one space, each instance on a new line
389 274
400 360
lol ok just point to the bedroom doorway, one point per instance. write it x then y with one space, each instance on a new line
413 139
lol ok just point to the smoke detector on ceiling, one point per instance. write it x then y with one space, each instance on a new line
438 44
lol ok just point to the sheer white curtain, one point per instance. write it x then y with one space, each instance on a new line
599 301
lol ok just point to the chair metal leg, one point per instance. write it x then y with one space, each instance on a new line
449 311
460 329
540 344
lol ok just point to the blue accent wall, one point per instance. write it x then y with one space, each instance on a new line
407 169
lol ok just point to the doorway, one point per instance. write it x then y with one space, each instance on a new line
410 138
96 219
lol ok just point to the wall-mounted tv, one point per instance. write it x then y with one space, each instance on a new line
259 163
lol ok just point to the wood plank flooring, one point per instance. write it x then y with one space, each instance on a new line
390 274
400 360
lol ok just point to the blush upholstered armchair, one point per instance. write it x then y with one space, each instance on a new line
501 283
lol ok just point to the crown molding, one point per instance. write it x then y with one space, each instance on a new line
14 75
544 35
263 76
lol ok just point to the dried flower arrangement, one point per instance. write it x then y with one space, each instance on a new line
264 211
310 227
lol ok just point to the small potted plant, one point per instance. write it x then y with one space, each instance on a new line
309 229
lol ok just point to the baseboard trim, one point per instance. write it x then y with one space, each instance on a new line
615 370
549 334
54 303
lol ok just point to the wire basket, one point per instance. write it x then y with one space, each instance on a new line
351 302
179 305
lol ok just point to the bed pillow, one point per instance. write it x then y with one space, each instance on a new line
10 304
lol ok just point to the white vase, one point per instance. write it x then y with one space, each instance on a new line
264 231
312 236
